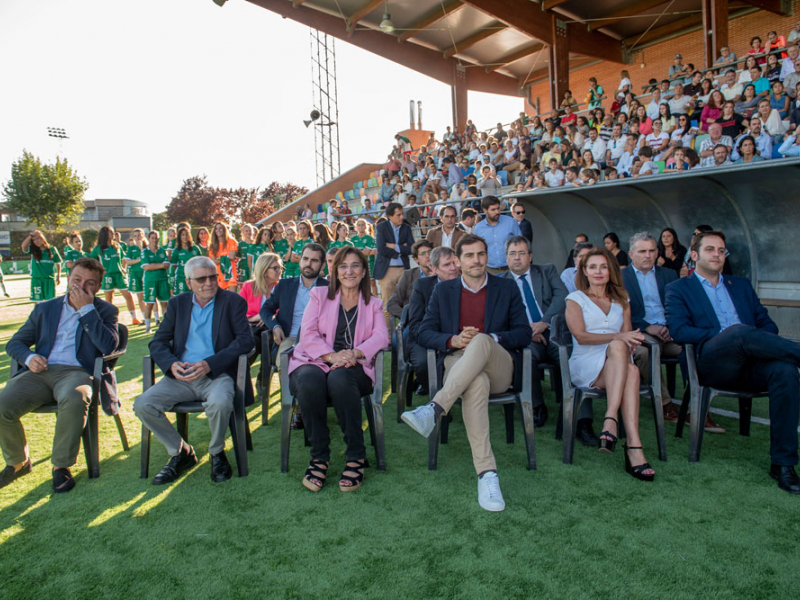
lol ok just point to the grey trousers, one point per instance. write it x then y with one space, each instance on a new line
216 394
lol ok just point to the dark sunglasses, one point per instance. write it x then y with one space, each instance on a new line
519 212
203 279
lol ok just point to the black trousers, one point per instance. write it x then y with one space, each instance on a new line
418 359
313 389
745 358
256 330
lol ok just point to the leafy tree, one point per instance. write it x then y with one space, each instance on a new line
282 194
195 203
161 221
49 195
246 205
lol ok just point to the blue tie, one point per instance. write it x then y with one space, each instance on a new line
533 310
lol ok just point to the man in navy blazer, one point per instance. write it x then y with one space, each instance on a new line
525 227
478 324
645 283
68 333
738 346
393 240
197 346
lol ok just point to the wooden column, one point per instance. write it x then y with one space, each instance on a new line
559 61
459 97
715 29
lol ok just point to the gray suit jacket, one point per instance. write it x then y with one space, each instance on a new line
402 293
548 289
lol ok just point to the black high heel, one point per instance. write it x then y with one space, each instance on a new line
637 472
608 445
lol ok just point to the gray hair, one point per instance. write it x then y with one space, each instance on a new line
576 249
440 254
198 262
641 236
517 239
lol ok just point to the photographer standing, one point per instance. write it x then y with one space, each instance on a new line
489 184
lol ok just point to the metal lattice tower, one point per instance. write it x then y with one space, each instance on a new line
325 98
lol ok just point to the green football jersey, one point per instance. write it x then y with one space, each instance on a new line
341 244
153 258
46 266
180 257
134 253
110 257
366 243
71 256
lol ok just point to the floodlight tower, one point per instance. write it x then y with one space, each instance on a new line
60 135
325 115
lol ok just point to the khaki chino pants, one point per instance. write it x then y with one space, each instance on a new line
388 285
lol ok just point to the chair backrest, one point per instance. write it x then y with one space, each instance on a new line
122 346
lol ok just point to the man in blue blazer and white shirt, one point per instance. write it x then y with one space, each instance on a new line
477 322
68 334
197 347
646 283
393 241
738 346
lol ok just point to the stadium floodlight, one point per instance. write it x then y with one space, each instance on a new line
219 2
57 132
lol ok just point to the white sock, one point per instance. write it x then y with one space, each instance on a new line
146 325
132 313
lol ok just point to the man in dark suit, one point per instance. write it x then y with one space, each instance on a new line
68 333
477 322
197 347
544 296
518 212
393 240
444 268
446 234
738 346
421 253
646 282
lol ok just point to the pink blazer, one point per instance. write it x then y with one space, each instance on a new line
253 301
318 331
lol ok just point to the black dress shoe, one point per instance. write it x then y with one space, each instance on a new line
297 421
585 434
421 390
185 459
63 481
8 474
787 478
540 415
220 468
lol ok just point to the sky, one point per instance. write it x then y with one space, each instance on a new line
152 92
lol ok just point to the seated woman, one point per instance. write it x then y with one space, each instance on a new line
599 318
343 328
611 242
266 274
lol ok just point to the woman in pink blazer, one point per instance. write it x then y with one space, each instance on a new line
343 328
266 274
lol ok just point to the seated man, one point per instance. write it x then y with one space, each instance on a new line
421 253
69 333
568 275
446 234
544 296
443 268
477 347
197 347
645 283
738 346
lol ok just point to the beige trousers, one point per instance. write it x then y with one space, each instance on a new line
484 367
388 284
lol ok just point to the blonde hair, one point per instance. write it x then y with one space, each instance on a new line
263 262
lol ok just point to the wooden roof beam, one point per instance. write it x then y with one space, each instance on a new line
630 11
362 12
515 56
430 19
481 35
548 4
779 7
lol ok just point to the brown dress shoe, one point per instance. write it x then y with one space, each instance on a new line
670 413
712 427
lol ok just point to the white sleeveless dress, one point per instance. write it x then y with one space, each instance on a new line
587 361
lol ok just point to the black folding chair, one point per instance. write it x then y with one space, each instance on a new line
522 398
240 430
373 405
91 431
574 396
406 376
699 400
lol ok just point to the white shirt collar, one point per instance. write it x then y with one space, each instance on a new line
485 283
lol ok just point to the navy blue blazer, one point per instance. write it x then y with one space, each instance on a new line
664 276
526 229
96 335
420 297
384 234
505 316
691 318
230 332
279 307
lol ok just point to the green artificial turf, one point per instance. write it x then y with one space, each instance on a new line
718 528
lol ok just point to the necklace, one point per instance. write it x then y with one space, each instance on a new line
349 322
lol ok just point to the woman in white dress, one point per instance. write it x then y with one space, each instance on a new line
599 318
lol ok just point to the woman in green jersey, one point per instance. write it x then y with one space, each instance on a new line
2 282
75 250
184 250
290 269
156 277
340 234
108 252
45 266
261 244
364 241
280 245
243 266
202 241
133 263
305 236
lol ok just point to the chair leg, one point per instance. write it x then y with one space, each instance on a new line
444 427
92 449
661 436
402 386
182 423
433 444
560 422
266 389
375 409
238 426
412 383
687 397
526 413
570 409
745 412
370 421
508 411
145 452
248 436
122 436
672 370
286 432
699 409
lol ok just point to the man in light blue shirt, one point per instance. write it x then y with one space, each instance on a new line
720 301
568 275
495 229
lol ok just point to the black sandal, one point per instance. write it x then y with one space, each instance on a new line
609 442
315 475
349 483
638 472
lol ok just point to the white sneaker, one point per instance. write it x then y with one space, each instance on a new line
422 419
489 495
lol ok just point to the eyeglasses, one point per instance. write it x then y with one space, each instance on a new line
519 212
520 254
203 279
275 268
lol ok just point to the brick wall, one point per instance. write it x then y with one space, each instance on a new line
658 58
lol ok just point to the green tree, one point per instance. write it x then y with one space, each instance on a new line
48 195
161 221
